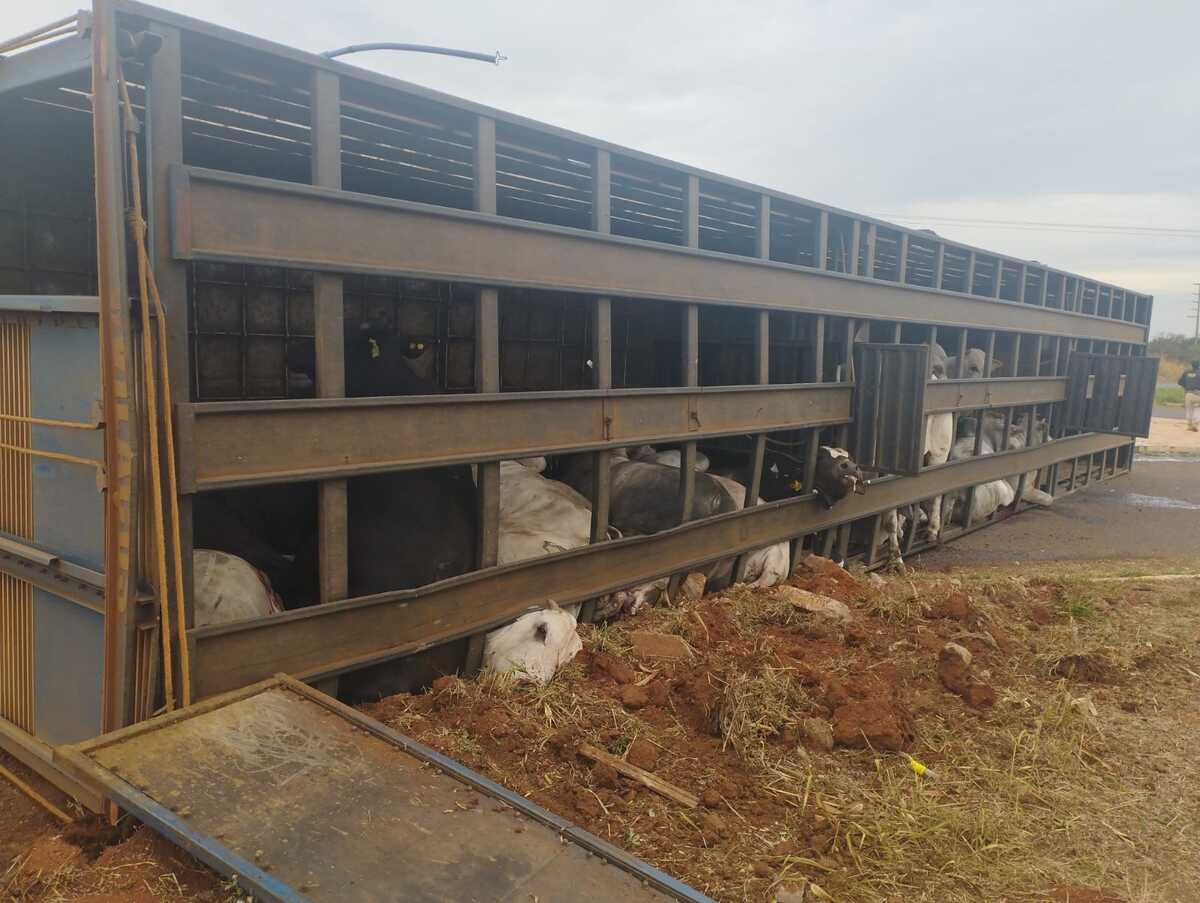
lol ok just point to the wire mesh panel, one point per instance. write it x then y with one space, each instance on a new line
1110 394
889 406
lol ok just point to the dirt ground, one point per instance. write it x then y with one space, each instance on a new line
1169 435
1061 759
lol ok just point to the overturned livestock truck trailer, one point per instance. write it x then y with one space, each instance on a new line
545 294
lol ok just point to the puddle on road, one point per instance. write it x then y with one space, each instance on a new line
1157 501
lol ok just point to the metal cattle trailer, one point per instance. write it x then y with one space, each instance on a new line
566 294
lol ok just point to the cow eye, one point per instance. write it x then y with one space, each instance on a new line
540 632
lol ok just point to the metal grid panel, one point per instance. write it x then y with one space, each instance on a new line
16 517
1110 394
889 406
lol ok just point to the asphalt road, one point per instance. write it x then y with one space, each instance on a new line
1154 512
1173 411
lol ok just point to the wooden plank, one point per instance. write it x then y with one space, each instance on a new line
643 777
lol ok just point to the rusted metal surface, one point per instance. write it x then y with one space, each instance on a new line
304 799
236 443
974 394
283 224
357 630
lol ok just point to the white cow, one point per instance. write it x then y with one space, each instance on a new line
535 646
540 516
939 437
226 588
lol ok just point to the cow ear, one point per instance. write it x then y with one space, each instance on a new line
551 605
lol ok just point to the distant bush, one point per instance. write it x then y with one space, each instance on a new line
1176 345
1168 395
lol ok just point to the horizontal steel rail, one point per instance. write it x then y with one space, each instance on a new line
22 71
340 635
295 57
229 444
47 571
224 216
973 394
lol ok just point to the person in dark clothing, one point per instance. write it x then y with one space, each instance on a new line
1190 381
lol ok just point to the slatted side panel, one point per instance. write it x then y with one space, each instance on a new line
16 517
1111 394
889 406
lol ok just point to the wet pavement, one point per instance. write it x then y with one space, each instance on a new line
1154 512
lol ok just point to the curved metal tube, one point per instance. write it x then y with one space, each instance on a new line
494 58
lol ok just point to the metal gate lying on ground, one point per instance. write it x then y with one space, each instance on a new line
303 798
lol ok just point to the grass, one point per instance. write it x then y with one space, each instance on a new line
1168 395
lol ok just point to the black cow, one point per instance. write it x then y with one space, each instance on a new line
406 528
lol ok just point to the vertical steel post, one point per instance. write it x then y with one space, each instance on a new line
762 335
487 372
939 266
969 288
818 374
691 212
855 250
999 275
117 372
903 272
872 237
329 321
691 377
164 147
1024 279
822 261
764 226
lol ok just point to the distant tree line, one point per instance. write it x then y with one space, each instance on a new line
1176 345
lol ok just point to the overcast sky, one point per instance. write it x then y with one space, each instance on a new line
1073 112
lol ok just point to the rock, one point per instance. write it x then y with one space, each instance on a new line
835 693
955 607
693 585
762 870
710 798
605 775
875 581
634 697
979 696
445 682
643 754
618 670
817 605
954 667
860 723
666 646
817 734
793 892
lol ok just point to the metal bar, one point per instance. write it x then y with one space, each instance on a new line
46 571
329 314
969 288
999 276
975 394
52 62
822 261
44 421
763 364
872 233
1024 278
690 342
903 277
764 226
602 359
284 224
810 462
939 269
1045 288
305 641
51 304
164 149
39 33
487 379
485 164
602 192
55 456
691 212
249 442
39 757
117 375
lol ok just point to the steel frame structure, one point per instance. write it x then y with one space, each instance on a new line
859 269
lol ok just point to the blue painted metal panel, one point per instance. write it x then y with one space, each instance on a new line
68 518
68 657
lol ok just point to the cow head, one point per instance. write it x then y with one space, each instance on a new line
937 361
535 646
837 475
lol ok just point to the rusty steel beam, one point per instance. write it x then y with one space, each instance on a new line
247 442
324 638
224 216
973 394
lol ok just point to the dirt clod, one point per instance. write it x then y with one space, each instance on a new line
870 723
650 645
618 670
634 697
605 775
1090 668
643 754
817 734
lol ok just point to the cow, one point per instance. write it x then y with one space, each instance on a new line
540 516
644 498
227 588
764 567
836 476
973 364
939 437
671 457
535 646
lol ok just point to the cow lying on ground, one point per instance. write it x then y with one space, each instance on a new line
535 646
540 516
763 567
644 499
